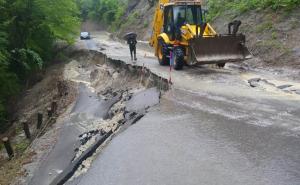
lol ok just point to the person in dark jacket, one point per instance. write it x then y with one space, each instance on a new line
132 47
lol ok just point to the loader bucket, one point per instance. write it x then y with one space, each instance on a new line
219 49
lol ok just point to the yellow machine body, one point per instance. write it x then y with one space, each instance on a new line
202 44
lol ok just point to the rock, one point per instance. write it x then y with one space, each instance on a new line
284 86
59 171
296 51
254 82
267 82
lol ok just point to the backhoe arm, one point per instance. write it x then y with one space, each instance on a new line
158 22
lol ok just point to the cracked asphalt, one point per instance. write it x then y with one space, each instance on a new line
212 127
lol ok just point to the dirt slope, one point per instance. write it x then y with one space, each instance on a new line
138 18
272 36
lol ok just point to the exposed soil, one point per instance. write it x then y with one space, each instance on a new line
139 15
106 77
52 88
272 36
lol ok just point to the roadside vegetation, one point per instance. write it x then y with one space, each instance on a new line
28 32
271 28
106 12
217 7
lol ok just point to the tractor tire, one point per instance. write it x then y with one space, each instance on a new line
221 65
163 53
178 58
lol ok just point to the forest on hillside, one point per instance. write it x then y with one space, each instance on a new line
28 32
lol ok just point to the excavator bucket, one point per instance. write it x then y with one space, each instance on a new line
219 49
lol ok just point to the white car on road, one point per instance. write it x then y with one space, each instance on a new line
85 35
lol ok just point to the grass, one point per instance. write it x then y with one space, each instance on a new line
130 20
274 35
11 169
21 146
216 7
295 23
273 43
264 26
146 24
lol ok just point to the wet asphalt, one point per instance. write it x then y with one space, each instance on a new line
88 109
181 142
210 128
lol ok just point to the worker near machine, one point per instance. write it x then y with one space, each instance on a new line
180 21
233 27
132 47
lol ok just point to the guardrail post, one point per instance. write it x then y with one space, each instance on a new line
54 107
26 130
8 147
50 112
39 120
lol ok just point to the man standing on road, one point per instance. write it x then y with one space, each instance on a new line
131 41
132 46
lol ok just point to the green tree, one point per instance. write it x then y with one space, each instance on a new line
28 32
108 12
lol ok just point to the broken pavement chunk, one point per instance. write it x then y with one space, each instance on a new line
284 86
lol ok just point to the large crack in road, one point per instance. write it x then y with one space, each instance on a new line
211 127
111 97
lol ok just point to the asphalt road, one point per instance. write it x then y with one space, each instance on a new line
210 128
89 108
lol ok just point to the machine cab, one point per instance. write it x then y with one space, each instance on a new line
178 17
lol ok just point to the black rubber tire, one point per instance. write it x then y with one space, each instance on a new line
221 65
178 58
164 59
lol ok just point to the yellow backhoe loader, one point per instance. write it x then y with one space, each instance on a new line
180 32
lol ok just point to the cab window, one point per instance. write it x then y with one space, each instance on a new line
168 21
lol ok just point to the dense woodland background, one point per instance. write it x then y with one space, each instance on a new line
28 32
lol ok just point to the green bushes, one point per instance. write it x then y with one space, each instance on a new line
108 12
240 6
28 30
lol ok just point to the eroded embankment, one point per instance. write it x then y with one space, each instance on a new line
112 95
143 74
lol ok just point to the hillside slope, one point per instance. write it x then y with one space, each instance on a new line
138 18
273 36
